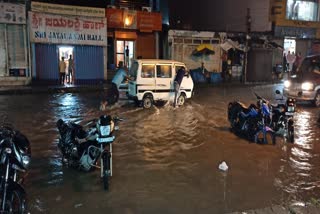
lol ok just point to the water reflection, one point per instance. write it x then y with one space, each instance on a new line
299 170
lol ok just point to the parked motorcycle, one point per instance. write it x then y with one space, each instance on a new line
282 116
15 155
251 122
82 149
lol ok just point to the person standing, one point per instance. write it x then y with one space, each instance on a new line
62 71
127 56
284 62
113 91
177 84
297 62
224 59
70 69
290 59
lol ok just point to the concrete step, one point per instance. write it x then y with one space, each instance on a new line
14 81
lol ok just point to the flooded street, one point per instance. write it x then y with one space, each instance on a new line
166 160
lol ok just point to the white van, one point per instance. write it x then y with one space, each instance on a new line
152 80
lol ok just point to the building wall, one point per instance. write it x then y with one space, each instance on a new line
227 15
183 43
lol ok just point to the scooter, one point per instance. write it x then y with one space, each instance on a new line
84 149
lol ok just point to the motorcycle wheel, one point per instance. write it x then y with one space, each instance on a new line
16 202
290 136
106 169
269 139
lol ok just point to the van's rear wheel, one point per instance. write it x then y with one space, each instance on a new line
181 100
147 102
317 99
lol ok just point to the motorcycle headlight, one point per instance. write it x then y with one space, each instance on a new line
25 161
307 86
287 84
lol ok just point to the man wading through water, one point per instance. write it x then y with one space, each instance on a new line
113 92
177 83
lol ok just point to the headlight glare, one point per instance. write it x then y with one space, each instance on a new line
287 84
307 86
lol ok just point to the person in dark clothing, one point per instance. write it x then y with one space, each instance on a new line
113 92
177 83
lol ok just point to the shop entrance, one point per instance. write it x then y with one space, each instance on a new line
66 52
125 52
289 45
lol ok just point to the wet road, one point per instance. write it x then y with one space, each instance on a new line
166 160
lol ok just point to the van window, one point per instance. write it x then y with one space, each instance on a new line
133 70
164 71
147 71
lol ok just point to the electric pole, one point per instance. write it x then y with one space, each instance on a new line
248 30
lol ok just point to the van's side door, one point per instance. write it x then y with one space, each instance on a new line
147 81
164 80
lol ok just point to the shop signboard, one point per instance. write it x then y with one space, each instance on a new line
58 29
12 13
67 9
115 18
306 33
148 22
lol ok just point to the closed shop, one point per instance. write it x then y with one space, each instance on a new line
76 36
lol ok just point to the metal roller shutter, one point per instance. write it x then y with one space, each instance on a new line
17 47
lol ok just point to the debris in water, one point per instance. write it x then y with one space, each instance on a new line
77 205
223 166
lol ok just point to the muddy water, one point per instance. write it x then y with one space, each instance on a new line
166 160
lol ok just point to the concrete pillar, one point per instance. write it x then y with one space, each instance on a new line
157 44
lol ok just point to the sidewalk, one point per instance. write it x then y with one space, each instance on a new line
33 89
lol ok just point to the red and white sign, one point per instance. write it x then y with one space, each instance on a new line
57 29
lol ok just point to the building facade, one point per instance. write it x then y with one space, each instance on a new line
290 24
14 57
60 31
133 31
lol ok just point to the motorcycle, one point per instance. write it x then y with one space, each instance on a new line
251 122
83 149
282 116
15 155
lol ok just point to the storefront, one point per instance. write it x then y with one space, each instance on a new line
132 34
183 43
296 24
14 66
58 31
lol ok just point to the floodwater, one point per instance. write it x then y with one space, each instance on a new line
166 160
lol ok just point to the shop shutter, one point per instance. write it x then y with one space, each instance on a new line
146 44
17 46
47 62
3 54
89 63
